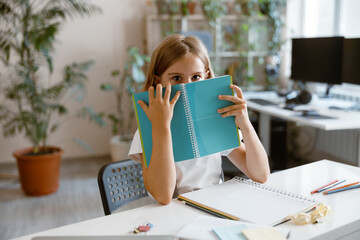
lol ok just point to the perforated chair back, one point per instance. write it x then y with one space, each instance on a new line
120 183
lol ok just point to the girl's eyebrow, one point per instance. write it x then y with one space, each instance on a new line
203 72
175 73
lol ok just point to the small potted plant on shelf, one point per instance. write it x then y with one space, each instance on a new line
213 9
30 104
127 82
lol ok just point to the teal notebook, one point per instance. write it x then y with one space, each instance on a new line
197 128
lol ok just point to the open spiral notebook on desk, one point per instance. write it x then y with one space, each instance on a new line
242 199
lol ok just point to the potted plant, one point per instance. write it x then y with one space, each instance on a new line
126 83
213 9
274 10
31 105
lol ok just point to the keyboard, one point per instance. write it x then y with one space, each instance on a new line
262 102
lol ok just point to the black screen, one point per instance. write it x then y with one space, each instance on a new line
317 59
351 61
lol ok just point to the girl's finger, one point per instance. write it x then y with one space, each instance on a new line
237 90
158 91
232 99
230 108
175 98
230 113
151 93
167 92
143 106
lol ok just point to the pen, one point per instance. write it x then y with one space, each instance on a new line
344 189
348 185
316 190
332 185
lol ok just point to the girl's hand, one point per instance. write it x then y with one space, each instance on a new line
160 110
239 109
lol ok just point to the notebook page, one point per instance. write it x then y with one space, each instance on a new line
213 132
251 203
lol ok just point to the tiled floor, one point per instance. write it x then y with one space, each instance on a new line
77 199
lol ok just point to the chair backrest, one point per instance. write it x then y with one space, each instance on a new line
120 183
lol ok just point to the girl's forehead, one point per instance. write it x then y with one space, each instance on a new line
187 63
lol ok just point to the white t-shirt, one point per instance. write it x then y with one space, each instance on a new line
191 174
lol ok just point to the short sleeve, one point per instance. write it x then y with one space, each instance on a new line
135 148
227 152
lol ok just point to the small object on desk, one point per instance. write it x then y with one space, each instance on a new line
230 232
332 185
348 185
262 233
343 189
328 184
309 112
290 106
310 216
143 228
262 102
337 108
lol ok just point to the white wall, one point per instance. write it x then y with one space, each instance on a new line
103 38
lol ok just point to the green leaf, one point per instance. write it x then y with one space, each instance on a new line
54 127
137 74
115 73
139 60
107 87
113 118
83 144
88 112
133 51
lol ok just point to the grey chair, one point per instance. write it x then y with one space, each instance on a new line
120 183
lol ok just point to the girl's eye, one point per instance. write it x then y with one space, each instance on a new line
196 77
176 78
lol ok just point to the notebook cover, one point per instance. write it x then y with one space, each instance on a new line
213 132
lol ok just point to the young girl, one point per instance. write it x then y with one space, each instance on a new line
176 60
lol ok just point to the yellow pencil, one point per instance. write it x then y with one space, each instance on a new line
348 185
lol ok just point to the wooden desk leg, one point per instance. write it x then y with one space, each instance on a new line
265 131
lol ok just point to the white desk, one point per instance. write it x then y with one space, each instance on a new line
344 220
342 120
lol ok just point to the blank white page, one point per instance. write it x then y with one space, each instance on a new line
251 201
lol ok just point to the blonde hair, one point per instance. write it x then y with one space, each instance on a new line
173 48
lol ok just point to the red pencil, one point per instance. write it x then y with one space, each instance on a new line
316 190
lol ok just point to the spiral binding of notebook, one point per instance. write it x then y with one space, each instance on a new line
272 189
189 121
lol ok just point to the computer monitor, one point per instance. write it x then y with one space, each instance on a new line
351 61
317 60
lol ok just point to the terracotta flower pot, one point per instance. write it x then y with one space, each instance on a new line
39 174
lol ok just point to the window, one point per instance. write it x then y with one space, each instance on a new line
322 18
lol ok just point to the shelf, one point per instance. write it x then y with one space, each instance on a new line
238 37
230 54
197 17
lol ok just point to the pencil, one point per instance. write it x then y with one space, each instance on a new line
348 185
344 189
316 190
331 185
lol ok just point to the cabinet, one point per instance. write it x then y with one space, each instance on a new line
238 43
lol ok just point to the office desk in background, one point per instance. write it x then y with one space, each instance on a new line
344 220
341 119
